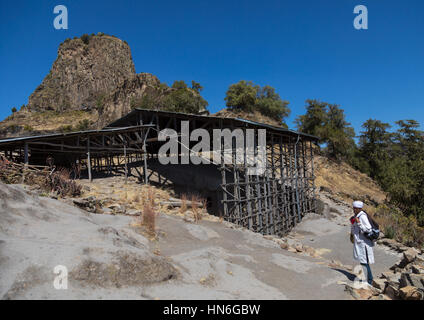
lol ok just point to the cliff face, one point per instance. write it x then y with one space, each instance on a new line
118 103
85 70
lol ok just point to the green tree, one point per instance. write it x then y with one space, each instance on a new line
374 144
327 121
404 178
196 86
14 110
179 84
248 97
268 102
314 120
396 162
242 96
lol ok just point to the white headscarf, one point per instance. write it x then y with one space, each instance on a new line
358 204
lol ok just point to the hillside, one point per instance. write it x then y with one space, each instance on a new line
345 183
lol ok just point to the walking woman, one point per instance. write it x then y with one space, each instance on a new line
362 246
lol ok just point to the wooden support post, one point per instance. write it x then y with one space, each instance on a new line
88 159
26 153
248 193
224 181
146 179
126 167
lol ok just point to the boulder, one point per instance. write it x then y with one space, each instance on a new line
299 247
412 279
133 212
417 269
391 291
411 293
284 245
361 293
409 255
291 249
309 250
188 218
389 275
379 284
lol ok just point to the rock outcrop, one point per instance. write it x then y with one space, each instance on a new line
86 69
93 79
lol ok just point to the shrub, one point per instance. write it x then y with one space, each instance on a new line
83 125
14 110
85 38
28 128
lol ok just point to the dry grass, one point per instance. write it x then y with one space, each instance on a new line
197 212
46 121
347 183
195 208
149 220
254 116
397 226
183 207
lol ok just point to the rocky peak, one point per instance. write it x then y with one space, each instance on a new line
86 69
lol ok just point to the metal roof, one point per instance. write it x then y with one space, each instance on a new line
203 117
70 134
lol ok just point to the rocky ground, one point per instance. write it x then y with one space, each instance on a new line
109 254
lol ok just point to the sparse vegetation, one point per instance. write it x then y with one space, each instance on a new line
66 128
100 103
178 98
395 225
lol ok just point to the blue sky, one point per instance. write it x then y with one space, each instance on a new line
305 49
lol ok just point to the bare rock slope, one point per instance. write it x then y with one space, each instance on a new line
108 257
